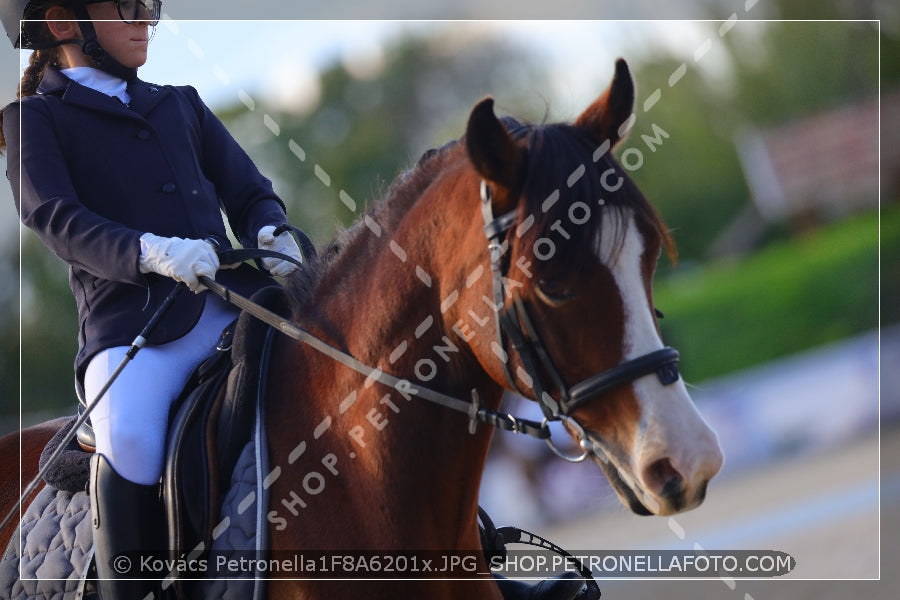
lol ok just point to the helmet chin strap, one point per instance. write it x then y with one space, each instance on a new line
91 47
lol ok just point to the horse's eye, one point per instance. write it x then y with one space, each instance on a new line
554 292
659 313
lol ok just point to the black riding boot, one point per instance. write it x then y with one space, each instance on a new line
129 521
564 587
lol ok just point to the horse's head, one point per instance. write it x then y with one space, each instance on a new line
575 246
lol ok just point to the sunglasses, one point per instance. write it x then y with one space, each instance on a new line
135 10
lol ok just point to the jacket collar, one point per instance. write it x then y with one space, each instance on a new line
144 96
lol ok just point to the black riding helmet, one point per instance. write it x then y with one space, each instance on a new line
20 18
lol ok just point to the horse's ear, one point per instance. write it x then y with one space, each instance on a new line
493 152
607 115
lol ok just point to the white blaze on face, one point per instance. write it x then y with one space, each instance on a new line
623 257
672 438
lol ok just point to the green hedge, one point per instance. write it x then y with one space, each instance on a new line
790 296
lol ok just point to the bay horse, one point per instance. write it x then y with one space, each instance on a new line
518 258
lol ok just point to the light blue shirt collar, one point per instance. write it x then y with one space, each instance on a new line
100 81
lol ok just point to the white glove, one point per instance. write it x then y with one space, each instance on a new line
284 243
181 259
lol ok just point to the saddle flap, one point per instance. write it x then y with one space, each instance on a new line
249 357
190 489
212 427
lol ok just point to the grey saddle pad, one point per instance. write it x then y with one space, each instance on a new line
49 555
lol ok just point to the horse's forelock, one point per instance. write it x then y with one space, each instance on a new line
567 196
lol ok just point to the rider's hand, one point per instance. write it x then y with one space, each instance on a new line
181 259
283 243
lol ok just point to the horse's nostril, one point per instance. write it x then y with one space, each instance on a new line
663 479
701 492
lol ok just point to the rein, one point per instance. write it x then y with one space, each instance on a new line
472 408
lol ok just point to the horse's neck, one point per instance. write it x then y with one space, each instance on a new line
382 302
384 298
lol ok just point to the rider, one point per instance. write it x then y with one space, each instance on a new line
126 181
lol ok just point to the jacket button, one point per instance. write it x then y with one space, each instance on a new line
143 134
169 188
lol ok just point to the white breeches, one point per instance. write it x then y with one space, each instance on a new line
131 419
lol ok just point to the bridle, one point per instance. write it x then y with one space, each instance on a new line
513 322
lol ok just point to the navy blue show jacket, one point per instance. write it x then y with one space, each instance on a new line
90 175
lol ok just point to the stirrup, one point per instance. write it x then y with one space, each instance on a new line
494 541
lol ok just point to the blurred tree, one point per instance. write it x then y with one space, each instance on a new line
367 128
766 74
782 71
49 326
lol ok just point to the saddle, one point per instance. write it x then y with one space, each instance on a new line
209 425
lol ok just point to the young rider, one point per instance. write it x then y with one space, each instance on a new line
126 181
